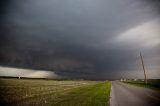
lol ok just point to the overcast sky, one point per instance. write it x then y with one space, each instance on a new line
84 39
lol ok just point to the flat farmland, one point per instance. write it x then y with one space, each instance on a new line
31 92
151 83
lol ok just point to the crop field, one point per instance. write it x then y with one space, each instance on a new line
31 92
151 83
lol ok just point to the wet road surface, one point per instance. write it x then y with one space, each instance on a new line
129 95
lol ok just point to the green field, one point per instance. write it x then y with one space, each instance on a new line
27 92
151 83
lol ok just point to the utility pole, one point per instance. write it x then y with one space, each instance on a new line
145 76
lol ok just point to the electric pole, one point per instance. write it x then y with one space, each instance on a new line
145 76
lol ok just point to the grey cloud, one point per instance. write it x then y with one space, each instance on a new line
74 38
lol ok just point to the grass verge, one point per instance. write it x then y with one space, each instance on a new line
153 84
94 95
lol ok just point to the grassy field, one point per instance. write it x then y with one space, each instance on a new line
154 84
27 92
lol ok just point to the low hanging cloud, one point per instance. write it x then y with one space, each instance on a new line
19 72
83 39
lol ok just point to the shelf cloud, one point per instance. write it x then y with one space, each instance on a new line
81 39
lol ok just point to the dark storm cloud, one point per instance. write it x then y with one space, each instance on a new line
79 38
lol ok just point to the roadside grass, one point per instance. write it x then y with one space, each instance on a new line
93 95
151 83
27 92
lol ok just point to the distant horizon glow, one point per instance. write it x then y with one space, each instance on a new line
19 72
